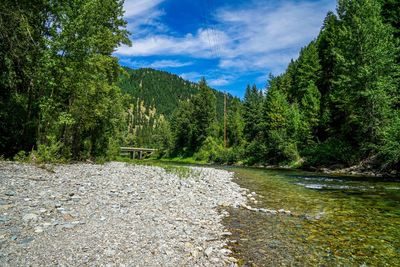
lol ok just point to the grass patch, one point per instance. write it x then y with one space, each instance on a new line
169 166
188 160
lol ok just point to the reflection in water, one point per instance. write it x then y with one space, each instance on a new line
335 221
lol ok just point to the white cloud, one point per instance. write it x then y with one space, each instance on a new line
138 8
160 64
191 76
197 45
144 17
221 81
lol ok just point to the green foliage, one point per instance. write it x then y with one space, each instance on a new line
310 113
251 112
59 92
235 124
280 132
305 72
331 151
48 153
193 121
210 151
213 150
363 74
390 150
21 156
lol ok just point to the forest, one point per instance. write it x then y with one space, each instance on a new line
65 97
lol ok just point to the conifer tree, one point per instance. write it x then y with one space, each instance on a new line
363 84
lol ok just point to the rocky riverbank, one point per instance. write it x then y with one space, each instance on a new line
114 214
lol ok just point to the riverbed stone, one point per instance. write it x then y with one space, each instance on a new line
30 217
10 193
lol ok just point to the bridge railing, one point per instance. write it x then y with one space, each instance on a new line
140 151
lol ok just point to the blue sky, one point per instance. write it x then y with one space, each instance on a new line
231 43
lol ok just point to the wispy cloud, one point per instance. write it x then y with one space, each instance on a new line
144 17
221 80
197 45
191 76
160 64
138 8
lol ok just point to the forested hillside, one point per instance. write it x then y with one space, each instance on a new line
163 90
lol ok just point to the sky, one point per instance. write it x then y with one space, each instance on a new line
231 43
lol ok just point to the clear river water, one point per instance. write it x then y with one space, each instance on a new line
334 221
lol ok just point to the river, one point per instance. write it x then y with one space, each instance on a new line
334 221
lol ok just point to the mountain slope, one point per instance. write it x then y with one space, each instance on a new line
163 90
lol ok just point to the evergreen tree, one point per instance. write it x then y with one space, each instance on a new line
310 111
252 112
280 127
306 71
182 127
193 121
363 84
204 114
235 123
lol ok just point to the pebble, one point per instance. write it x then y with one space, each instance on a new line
10 193
26 240
232 259
110 252
208 251
29 217
4 219
38 229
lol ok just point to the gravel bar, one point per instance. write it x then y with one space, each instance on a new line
115 214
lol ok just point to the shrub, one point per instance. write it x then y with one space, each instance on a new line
332 151
21 156
390 150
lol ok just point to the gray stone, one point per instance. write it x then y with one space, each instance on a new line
225 251
68 225
110 252
4 219
29 217
38 229
26 240
194 253
208 251
10 193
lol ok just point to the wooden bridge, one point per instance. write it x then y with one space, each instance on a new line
141 152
